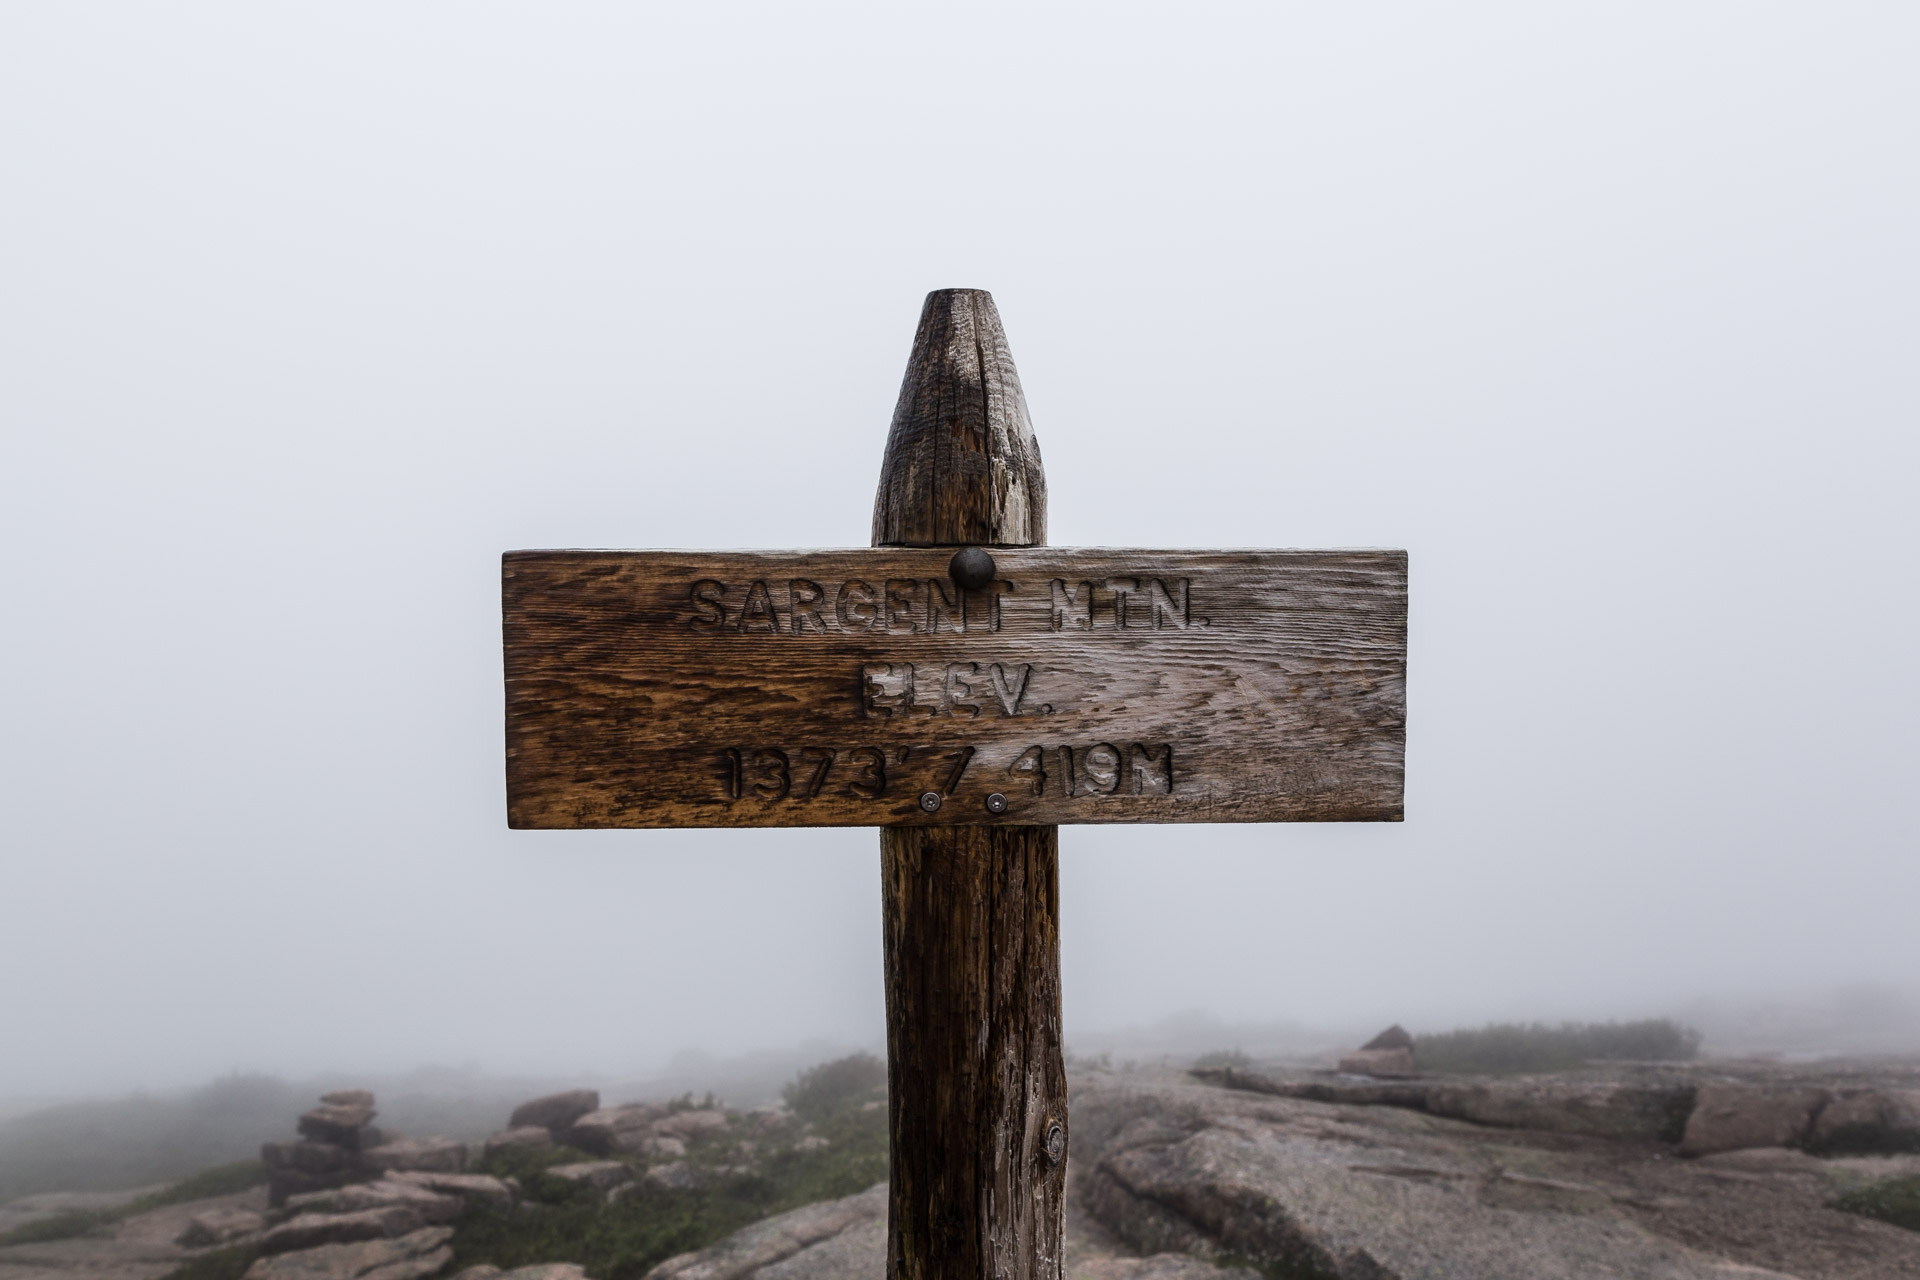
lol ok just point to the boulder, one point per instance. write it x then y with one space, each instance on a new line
413 1256
1387 1063
529 1135
348 1098
430 1206
220 1226
471 1188
611 1130
433 1155
1727 1117
556 1112
691 1124
336 1124
665 1149
1394 1037
284 1184
831 1240
1656 1109
1868 1122
677 1176
1602 1109
311 1229
594 1173
295 1168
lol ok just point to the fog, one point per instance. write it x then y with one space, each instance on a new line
1606 313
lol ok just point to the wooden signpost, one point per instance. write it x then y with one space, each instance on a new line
965 701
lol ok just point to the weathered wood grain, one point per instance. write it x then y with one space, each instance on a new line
962 464
656 689
976 1081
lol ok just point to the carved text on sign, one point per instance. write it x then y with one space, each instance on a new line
890 689
934 606
798 774
844 687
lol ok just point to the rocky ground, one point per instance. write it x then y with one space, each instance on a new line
1714 1171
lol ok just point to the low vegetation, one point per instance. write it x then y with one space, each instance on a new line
1512 1047
1894 1200
221 1180
833 1143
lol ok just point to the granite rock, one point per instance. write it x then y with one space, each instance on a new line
691 1124
413 1256
1868 1121
612 1130
309 1230
431 1207
432 1155
473 1188
1386 1063
1727 1117
336 1124
602 1174
556 1112
527 1135
221 1226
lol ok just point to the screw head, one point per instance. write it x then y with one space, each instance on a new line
996 803
930 801
971 568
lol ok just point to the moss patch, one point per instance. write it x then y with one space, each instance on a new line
1895 1200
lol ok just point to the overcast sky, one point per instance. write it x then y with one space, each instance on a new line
1609 314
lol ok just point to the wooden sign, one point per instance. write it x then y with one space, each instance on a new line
867 688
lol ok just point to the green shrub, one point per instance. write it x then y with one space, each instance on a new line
817 1091
1895 1200
1511 1047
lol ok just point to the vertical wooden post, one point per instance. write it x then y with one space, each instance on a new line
976 1088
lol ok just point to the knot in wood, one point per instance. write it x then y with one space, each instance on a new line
1056 1142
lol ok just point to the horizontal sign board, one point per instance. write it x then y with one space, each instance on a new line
865 688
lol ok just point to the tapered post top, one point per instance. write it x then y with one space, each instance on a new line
962 465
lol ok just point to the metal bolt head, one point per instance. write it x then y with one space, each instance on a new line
971 568
930 801
996 803
1056 1142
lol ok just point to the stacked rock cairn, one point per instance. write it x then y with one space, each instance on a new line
339 1144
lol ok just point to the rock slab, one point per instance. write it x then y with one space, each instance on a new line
220 1226
556 1113
308 1230
413 1256
1728 1117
